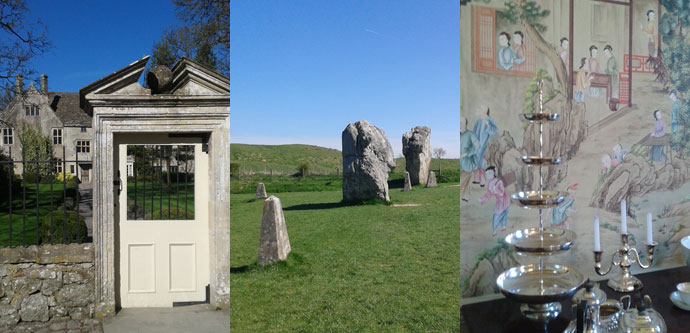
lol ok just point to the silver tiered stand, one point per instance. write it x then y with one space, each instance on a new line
540 287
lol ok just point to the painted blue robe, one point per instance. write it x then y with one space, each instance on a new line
675 125
469 144
507 58
484 131
559 213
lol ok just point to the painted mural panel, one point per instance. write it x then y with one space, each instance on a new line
614 73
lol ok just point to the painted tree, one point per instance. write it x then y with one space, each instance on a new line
677 61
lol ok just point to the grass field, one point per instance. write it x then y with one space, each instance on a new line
153 197
352 268
24 218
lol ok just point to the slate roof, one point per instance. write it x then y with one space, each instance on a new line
66 107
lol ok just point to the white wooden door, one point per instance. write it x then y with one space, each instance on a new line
164 261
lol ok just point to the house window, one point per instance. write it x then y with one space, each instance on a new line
83 146
486 48
83 129
7 136
58 166
31 110
57 136
71 169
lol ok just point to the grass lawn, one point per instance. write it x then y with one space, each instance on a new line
352 268
28 222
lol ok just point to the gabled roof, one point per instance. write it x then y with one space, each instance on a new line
66 108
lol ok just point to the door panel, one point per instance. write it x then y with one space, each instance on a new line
163 260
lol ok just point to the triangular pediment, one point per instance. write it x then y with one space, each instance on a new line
192 78
121 82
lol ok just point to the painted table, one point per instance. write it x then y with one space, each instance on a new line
503 315
665 141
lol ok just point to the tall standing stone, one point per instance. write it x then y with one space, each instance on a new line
417 150
408 184
274 244
431 180
260 191
367 162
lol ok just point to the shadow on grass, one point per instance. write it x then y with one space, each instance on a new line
295 264
396 183
324 205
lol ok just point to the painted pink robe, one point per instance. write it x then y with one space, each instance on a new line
494 188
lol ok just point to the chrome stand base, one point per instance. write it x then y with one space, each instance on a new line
625 283
541 312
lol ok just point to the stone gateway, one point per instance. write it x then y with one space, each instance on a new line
274 243
417 151
367 162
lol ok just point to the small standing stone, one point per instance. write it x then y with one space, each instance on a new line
274 244
431 180
408 183
261 191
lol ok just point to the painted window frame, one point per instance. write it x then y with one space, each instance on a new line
83 146
7 136
484 56
57 136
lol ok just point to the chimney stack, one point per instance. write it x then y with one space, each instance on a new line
44 83
19 85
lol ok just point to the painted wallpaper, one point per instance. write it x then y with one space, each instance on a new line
614 74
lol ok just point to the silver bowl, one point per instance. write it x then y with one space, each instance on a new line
539 117
531 241
544 160
532 285
532 199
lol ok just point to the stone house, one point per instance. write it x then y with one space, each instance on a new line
58 116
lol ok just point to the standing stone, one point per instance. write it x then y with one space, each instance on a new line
367 162
408 184
431 181
261 191
274 244
417 151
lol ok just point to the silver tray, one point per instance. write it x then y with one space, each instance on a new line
539 117
529 284
545 160
528 241
532 199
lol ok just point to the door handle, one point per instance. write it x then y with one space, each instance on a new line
118 182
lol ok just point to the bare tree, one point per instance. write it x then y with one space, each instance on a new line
21 38
439 153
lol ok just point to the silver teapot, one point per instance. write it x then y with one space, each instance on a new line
645 319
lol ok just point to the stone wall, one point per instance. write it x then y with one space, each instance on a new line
47 288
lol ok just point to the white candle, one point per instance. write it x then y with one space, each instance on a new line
624 221
650 238
597 241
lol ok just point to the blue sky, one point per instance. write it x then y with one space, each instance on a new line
92 39
300 70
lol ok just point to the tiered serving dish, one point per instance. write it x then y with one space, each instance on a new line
548 242
539 199
540 287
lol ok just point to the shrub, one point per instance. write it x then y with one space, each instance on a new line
64 176
235 170
303 169
68 221
30 177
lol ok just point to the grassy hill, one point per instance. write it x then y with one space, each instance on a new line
282 158
286 158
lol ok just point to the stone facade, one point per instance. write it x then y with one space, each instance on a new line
58 116
48 288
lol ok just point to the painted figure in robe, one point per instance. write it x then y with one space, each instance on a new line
495 188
